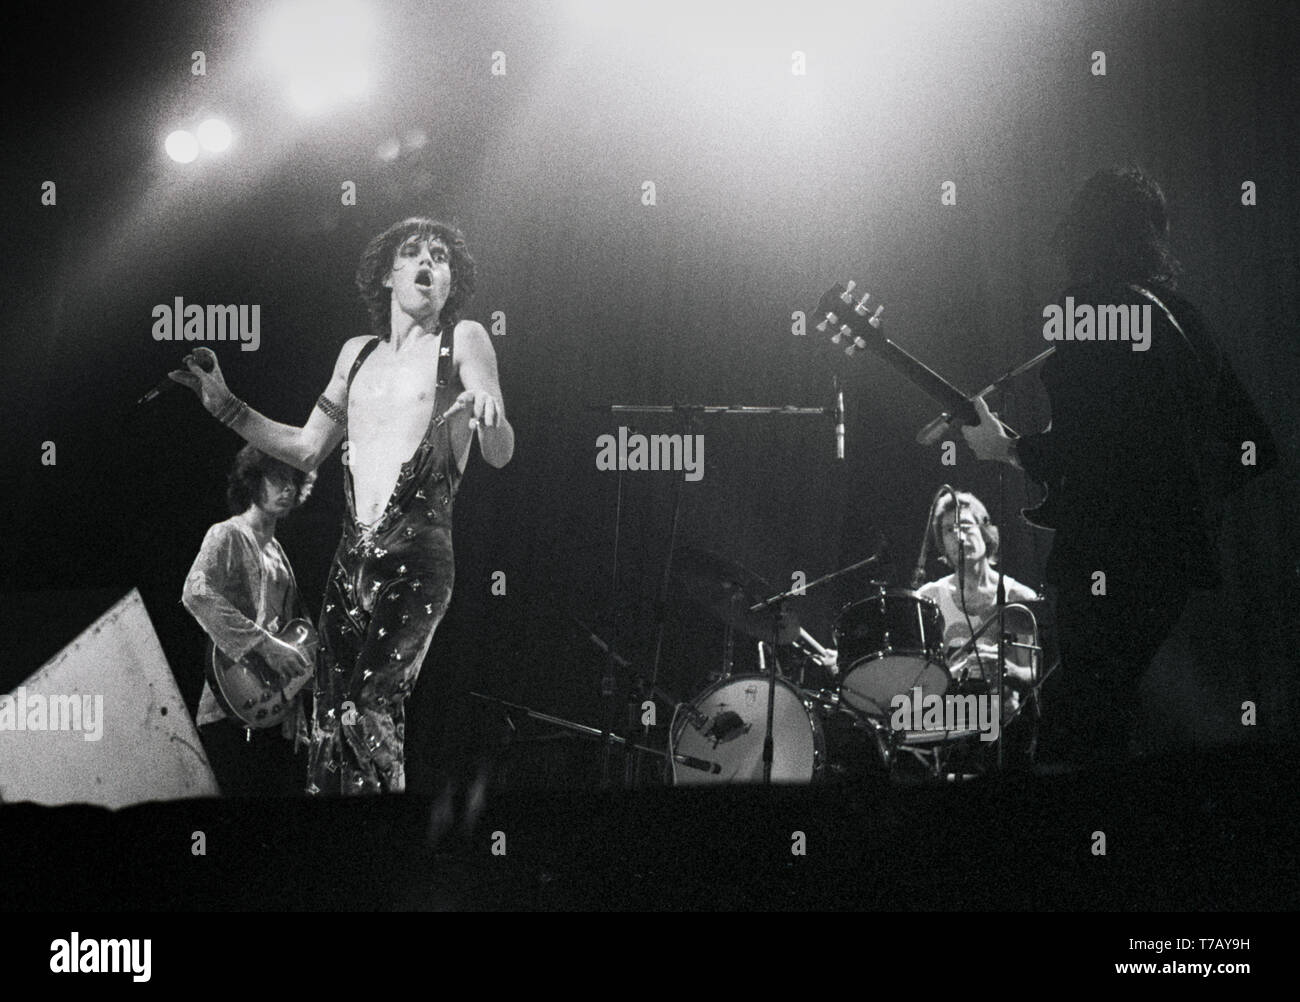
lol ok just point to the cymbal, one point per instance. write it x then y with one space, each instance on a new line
726 590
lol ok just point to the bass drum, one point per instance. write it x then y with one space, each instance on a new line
718 736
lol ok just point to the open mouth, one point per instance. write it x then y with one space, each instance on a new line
424 278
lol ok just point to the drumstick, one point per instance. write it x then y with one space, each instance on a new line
811 641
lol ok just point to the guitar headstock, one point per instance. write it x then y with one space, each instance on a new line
850 322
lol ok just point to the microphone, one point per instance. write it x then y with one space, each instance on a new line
456 408
204 362
918 573
839 421
712 768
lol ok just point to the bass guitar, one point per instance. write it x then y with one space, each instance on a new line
858 327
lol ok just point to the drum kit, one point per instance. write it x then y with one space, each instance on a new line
888 644
831 710
777 726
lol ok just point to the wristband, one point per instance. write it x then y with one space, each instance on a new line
231 411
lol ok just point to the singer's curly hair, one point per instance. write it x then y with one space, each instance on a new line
377 262
244 484
1117 230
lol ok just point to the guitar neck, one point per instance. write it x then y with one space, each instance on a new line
953 400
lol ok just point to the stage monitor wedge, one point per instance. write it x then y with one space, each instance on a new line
102 722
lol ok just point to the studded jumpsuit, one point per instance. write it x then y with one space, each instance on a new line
388 589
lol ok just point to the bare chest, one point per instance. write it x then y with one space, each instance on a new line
393 391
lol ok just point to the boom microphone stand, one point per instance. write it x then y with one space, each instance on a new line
689 414
777 603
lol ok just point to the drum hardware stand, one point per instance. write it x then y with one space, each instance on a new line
777 604
595 732
608 683
728 651
689 414
1000 669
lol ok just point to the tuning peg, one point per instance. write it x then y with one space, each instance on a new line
847 294
861 308
859 344
840 334
875 317
821 327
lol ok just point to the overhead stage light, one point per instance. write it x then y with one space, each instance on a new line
181 146
214 135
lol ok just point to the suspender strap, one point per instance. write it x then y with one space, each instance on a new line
362 355
445 354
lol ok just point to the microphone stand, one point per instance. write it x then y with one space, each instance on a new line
632 775
1002 636
776 603
608 682
943 424
689 413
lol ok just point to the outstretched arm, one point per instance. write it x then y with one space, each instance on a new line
482 395
303 448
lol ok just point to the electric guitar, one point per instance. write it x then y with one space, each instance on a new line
857 327
250 691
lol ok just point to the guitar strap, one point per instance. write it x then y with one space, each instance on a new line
1213 379
297 610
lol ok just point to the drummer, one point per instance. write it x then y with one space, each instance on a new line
967 598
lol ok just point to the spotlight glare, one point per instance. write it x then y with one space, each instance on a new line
181 146
322 47
353 82
308 94
214 135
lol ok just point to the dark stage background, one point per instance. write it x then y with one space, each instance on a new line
769 187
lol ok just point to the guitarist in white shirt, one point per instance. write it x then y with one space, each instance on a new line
241 590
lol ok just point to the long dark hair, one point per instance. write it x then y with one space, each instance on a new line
377 261
245 479
1117 230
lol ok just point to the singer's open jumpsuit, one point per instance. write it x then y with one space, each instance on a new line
386 593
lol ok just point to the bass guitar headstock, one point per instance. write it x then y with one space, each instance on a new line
850 322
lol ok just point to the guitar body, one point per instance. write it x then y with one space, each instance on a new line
250 691
1046 514
858 328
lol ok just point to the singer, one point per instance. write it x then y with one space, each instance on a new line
406 421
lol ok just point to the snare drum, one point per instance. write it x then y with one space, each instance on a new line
889 644
718 736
